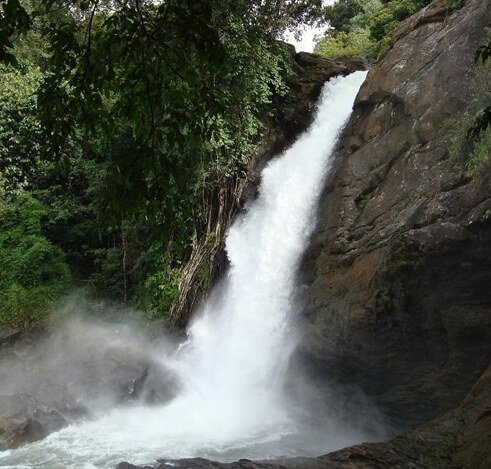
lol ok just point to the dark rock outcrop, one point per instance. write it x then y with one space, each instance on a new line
399 269
30 421
9 336
459 439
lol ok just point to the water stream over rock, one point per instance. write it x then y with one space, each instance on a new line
231 402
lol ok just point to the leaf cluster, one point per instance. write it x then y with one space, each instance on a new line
14 21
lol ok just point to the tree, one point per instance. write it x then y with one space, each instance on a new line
180 82
340 14
19 129
365 27
14 20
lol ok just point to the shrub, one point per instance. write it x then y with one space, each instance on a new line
472 155
355 42
33 272
472 150
19 128
158 292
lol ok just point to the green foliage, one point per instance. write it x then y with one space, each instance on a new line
480 158
159 288
14 20
356 42
387 18
341 13
158 292
455 5
66 192
483 52
203 273
33 272
176 103
473 155
122 120
483 119
364 27
108 276
480 124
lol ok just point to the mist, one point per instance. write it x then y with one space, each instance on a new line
86 365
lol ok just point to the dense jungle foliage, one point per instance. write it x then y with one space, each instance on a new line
121 119
118 122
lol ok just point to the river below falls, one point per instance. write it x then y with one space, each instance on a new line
142 435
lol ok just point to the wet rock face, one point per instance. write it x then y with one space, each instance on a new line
399 269
23 422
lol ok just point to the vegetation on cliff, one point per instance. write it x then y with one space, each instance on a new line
470 135
365 28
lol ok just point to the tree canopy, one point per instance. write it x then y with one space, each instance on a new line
123 118
364 27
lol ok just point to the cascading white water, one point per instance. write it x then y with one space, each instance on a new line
231 368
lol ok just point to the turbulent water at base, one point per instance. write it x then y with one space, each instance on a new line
231 402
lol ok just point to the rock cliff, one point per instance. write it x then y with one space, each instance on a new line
399 269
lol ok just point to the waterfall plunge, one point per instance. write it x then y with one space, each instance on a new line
232 366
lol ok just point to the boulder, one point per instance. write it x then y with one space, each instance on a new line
8 336
156 385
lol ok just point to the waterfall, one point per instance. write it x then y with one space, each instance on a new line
231 369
